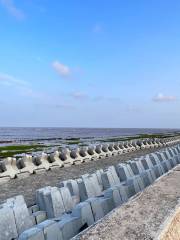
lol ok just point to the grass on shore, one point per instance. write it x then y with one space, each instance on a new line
140 136
10 151
73 142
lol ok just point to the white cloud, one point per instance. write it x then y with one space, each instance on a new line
160 97
79 95
63 70
9 80
22 87
12 9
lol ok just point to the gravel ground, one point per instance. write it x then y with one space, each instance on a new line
143 217
27 186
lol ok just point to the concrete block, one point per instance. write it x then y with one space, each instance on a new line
50 230
107 180
40 197
140 165
92 153
98 174
171 162
154 163
126 146
65 156
129 188
137 147
40 216
50 200
41 162
34 208
118 150
174 150
134 167
89 187
145 175
32 234
22 218
83 152
124 172
18 200
144 163
21 213
121 173
114 193
55 160
112 170
54 205
110 178
66 198
123 192
84 212
99 151
8 168
167 160
95 182
152 175
101 206
139 181
106 150
26 164
177 159
170 152
146 179
69 227
122 147
113 149
76 156
72 186
8 228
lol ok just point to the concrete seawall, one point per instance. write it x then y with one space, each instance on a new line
153 214
54 176
63 211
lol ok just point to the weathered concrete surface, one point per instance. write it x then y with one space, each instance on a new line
28 186
142 217
171 229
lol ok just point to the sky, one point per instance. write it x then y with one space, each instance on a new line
93 63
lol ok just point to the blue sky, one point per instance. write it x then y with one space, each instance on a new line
93 63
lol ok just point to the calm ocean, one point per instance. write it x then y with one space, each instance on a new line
44 134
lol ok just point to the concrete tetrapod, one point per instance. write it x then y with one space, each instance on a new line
8 168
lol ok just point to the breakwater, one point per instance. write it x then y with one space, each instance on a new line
12 168
64 211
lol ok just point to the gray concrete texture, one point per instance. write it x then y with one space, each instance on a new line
99 194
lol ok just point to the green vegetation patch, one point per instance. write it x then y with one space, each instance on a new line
72 139
73 142
10 151
140 136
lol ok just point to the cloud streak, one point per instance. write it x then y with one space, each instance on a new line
79 95
9 80
23 87
61 69
160 97
12 9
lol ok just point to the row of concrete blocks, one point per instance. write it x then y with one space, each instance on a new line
11 168
62 212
